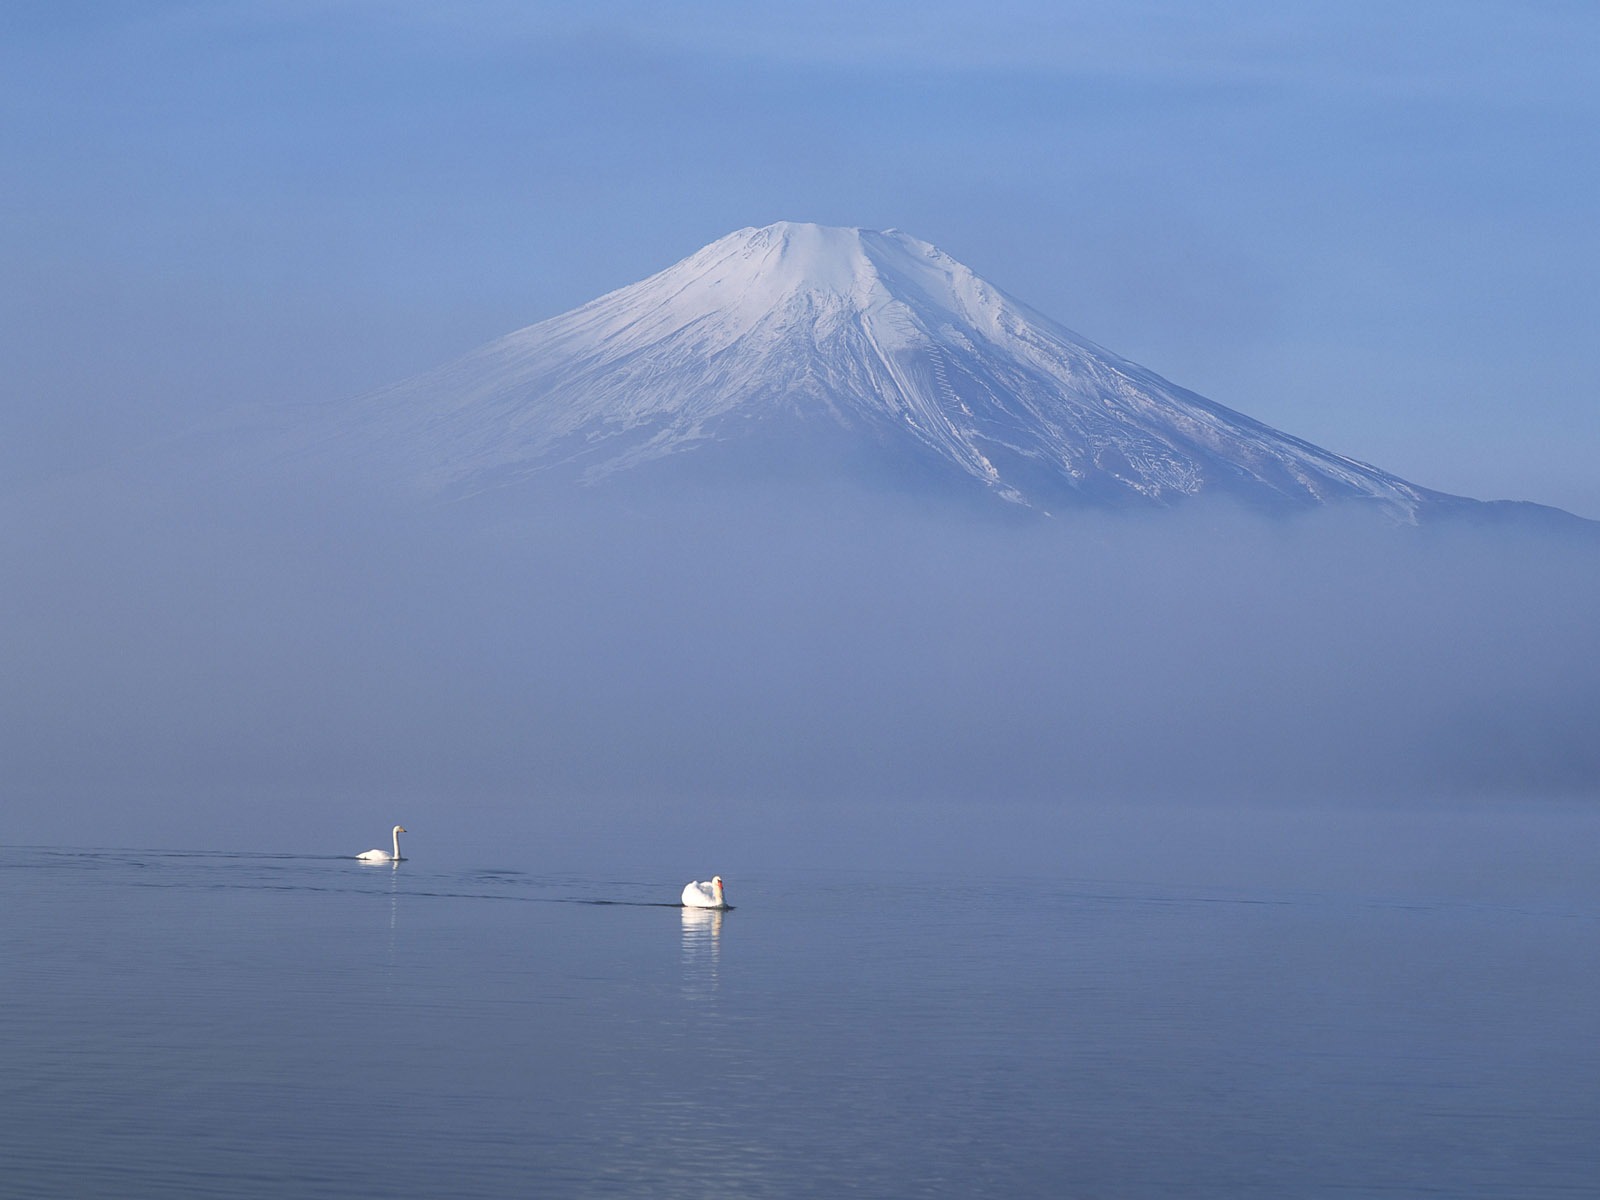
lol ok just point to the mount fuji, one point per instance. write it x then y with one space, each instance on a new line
799 347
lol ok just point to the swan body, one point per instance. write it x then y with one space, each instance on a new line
384 855
704 895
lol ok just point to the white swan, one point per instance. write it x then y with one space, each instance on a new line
384 855
704 895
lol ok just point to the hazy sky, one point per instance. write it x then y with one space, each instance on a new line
1372 225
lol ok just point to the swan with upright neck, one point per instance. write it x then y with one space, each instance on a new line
704 895
384 855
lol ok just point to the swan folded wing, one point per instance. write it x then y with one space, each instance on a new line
384 855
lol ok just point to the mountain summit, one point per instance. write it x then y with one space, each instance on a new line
799 342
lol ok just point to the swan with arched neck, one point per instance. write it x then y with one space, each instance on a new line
704 895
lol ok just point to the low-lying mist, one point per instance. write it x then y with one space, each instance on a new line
802 675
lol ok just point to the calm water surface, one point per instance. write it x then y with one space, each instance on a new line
233 1025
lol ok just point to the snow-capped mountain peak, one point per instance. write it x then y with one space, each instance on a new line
839 341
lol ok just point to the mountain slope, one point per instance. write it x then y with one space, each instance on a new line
838 342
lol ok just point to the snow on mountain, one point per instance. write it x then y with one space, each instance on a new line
798 334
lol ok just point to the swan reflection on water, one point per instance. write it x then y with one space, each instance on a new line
701 925
702 943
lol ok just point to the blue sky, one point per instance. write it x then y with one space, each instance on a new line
1371 225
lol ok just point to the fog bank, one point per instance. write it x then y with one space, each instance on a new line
294 671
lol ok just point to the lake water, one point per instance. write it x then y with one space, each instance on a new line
191 1024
